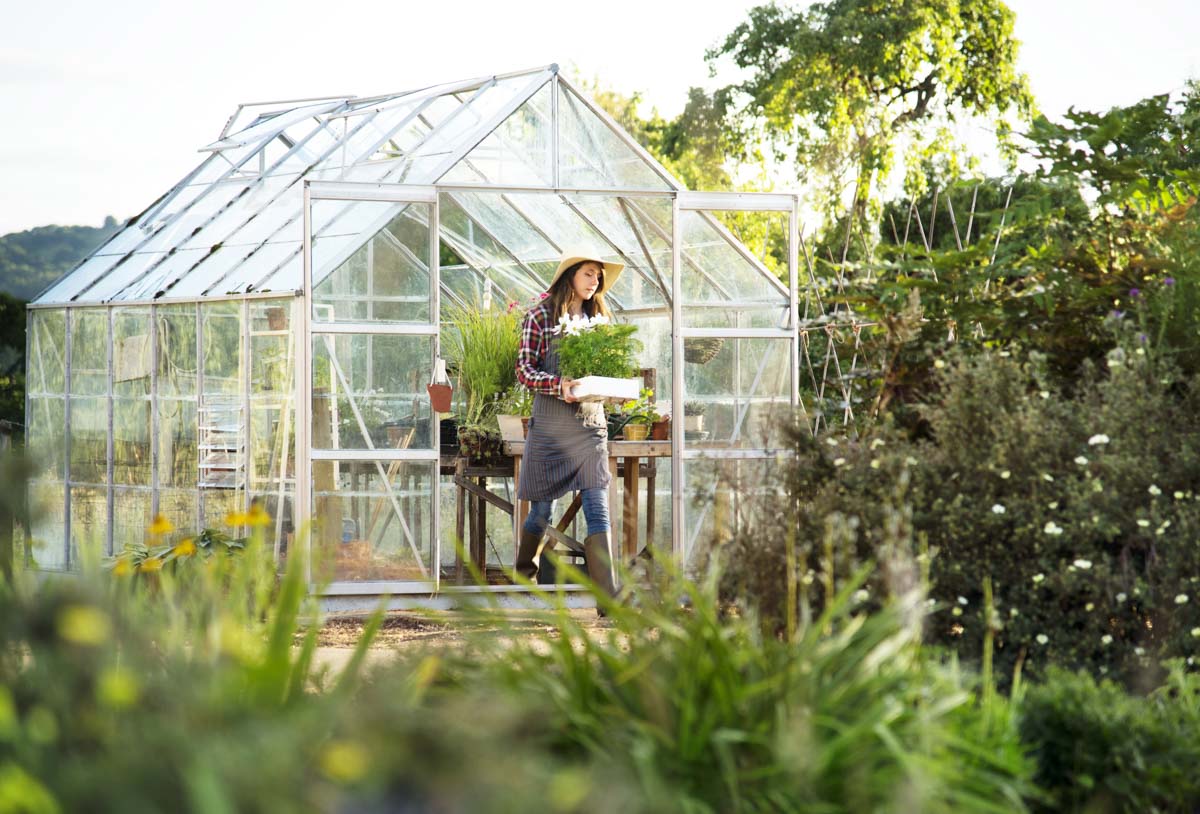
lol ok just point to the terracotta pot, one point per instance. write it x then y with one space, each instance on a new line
276 318
636 432
661 430
525 425
439 397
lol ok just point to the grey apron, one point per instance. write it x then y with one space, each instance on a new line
567 446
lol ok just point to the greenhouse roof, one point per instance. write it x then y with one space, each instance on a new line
234 225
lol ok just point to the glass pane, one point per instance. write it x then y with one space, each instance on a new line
176 350
386 279
157 282
89 440
369 392
46 439
83 277
517 152
178 462
720 497
237 269
218 505
179 507
89 351
714 270
131 517
131 352
592 155
372 520
221 326
742 388
47 352
48 532
89 522
272 372
131 442
131 268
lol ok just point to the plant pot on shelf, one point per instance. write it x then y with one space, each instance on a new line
693 423
276 318
636 432
661 430
511 427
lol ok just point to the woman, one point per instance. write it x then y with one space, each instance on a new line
567 446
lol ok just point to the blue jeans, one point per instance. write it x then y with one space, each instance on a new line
595 509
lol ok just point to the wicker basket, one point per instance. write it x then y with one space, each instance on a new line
700 350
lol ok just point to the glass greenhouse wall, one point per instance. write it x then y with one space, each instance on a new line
264 332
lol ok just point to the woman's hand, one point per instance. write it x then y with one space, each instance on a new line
566 386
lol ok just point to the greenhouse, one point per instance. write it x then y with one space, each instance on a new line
264 332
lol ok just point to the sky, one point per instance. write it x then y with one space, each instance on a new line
104 105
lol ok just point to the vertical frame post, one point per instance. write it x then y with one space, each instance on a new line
303 498
435 317
69 321
155 501
794 295
677 396
110 466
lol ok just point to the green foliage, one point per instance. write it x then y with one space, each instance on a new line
838 82
481 345
516 400
1084 521
32 260
642 410
1099 749
602 350
701 712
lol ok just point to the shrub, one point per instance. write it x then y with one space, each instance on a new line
1082 508
1099 749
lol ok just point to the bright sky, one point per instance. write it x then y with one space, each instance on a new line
105 104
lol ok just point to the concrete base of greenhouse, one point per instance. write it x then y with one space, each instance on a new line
510 598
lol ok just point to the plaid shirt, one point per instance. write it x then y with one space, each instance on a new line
535 343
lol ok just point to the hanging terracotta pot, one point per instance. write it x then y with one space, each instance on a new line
439 389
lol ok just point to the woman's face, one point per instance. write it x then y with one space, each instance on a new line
587 280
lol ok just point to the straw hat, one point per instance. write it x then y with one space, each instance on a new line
611 270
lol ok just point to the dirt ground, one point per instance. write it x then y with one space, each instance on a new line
406 631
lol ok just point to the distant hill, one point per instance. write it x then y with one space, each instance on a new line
32 260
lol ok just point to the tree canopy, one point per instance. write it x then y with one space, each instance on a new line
838 83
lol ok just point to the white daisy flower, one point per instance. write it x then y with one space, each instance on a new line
1098 440
1042 638
1082 564
1106 639
1154 490
1052 529
1081 460
1181 599
998 509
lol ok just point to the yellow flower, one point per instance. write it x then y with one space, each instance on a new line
83 624
150 564
257 516
236 519
344 761
186 548
161 525
123 568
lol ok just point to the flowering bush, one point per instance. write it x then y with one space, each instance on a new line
1082 508
595 346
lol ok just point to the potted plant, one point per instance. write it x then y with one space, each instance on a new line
481 345
641 415
513 408
600 354
693 416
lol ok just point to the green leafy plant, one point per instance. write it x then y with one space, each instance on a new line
481 344
516 400
597 349
642 410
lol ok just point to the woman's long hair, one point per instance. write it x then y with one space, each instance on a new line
562 290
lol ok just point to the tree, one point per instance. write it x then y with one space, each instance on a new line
839 83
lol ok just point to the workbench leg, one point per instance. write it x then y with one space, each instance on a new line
650 501
460 522
612 501
629 528
479 529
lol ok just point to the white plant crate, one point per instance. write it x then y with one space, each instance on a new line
511 428
595 388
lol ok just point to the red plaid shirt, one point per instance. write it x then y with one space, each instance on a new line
535 342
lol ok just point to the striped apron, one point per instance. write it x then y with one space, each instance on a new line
567 446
